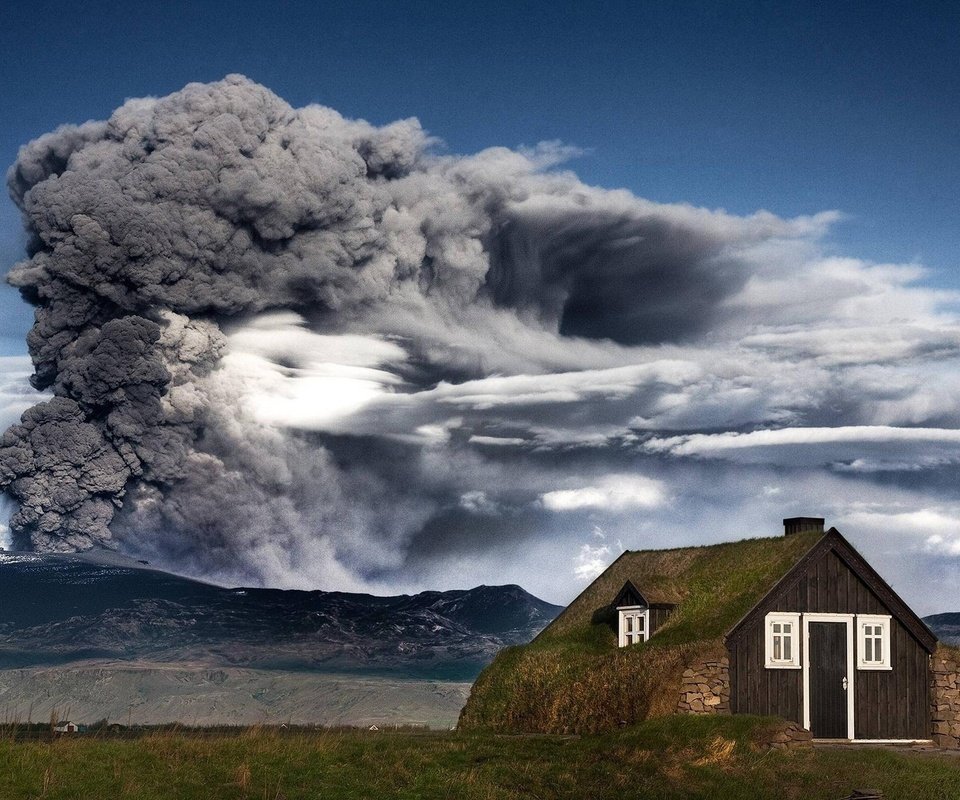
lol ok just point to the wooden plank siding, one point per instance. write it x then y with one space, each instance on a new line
658 615
890 704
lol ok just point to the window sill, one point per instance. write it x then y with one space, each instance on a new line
782 666
874 668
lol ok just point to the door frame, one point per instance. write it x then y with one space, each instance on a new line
846 619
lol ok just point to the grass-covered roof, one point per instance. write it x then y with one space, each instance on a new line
574 679
713 586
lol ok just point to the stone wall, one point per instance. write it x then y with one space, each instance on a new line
945 698
787 736
705 688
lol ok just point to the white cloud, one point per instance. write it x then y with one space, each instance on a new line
613 493
291 376
721 444
433 434
16 393
6 509
477 502
937 527
591 561
565 387
497 441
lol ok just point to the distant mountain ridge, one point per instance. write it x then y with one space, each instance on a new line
61 609
946 626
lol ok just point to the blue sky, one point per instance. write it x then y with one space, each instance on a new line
475 369
745 105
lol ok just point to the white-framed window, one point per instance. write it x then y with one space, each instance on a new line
873 641
782 641
634 624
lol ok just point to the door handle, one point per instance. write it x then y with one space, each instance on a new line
844 683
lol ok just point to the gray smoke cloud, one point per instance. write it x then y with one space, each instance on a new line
281 343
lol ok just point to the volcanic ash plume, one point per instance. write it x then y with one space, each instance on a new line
179 222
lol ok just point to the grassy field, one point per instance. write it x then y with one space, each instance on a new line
672 757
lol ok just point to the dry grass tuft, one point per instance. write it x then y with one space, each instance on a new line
243 777
547 689
719 753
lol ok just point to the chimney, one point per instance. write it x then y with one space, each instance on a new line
793 525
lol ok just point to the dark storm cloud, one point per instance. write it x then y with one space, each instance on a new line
289 348
634 278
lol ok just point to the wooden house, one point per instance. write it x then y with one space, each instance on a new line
810 630
65 726
833 647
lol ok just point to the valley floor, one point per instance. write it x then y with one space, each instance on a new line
153 694
672 758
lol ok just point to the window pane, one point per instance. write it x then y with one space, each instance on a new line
629 624
641 623
786 627
776 649
868 649
787 647
776 627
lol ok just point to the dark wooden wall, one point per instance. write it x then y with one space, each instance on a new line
657 617
757 690
892 704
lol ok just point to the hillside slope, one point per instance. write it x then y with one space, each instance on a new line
946 626
63 609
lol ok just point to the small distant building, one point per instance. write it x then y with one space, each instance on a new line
65 726
373 728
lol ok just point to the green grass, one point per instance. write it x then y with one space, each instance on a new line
672 757
713 586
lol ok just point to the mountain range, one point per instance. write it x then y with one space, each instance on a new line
946 626
160 644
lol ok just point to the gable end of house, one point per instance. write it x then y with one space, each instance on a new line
833 543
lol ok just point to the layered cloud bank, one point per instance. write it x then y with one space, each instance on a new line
288 348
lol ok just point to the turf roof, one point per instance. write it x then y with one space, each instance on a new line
713 586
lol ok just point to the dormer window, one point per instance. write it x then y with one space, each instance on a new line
634 624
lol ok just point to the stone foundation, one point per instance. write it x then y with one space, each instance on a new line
945 698
705 688
789 736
